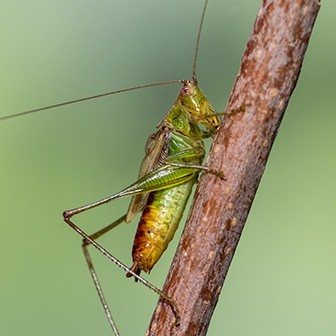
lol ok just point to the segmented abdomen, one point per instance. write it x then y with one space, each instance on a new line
158 224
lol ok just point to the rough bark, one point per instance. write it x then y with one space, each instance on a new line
268 74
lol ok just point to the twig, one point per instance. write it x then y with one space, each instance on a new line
268 74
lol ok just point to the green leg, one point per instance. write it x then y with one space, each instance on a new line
160 178
220 174
143 185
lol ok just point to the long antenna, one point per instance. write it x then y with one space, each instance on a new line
198 38
88 98
123 90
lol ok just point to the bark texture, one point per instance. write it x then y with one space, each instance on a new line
268 74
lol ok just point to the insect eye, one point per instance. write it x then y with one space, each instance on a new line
185 91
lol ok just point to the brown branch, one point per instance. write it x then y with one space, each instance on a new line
269 71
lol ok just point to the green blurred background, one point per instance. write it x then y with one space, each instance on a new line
283 276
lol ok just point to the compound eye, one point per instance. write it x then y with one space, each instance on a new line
185 91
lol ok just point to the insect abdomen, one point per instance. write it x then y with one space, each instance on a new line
158 224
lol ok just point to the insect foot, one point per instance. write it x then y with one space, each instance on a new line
218 173
241 108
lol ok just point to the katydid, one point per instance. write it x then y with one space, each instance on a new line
173 161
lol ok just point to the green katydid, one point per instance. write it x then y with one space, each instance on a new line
174 156
173 160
